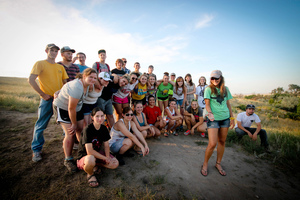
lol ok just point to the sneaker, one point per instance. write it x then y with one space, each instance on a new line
75 146
202 134
36 156
187 132
70 165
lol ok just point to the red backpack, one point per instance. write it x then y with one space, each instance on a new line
98 67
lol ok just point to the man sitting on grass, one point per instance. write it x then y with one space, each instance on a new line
244 122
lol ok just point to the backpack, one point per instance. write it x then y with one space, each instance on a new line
98 67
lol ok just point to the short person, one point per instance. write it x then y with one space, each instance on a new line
122 139
194 120
244 122
94 150
173 118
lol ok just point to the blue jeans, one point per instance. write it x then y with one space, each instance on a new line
45 112
262 134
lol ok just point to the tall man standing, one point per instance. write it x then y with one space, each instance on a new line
101 66
71 69
244 122
126 70
51 77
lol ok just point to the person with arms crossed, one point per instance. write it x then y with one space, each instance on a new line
51 77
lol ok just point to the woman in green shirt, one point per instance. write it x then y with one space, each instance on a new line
163 88
220 118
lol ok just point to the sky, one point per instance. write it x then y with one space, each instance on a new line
255 43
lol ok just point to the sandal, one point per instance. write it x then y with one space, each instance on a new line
174 133
202 170
92 183
166 134
221 171
97 170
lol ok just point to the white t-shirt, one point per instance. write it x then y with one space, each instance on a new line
74 89
200 93
124 91
179 95
247 120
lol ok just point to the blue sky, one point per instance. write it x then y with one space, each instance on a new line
255 43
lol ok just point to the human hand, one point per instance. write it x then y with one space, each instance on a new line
211 117
56 94
192 131
231 124
107 160
152 131
250 135
254 137
146 150
46 97
72 129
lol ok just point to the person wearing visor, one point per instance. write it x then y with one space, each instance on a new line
244 122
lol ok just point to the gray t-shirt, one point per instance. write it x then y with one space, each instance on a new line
74 89
102 67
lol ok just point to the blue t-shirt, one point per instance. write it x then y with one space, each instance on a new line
81 67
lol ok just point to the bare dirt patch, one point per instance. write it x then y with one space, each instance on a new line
170 171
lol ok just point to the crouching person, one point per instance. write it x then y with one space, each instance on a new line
93 151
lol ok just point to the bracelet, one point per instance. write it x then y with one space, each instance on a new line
231 118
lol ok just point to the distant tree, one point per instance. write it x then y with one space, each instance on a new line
295 89
278 90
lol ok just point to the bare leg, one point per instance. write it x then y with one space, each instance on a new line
110 120
212 142
68 140
188 122
118 110
127 144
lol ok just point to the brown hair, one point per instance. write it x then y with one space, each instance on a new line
86 72
176 85
221 87
119 60
126 110
204 80
191 81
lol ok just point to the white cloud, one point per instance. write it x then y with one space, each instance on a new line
28 25
204 21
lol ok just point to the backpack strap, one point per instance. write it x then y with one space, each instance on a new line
98 67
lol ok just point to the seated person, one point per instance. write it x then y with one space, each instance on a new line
173 118
122 139
140 121
244 122
153 115
194 120
93 149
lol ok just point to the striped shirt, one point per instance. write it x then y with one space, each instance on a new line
72 71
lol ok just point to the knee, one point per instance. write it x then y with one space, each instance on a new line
90 161
211 146
144 133
128 143
115 163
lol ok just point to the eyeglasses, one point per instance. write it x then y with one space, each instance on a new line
213 78
127 114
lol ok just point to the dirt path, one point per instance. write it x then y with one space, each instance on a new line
171 170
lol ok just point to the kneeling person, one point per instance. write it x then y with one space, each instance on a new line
91 153
244 122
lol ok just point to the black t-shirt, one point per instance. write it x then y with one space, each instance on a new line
196 115
91 135
109 90
118 72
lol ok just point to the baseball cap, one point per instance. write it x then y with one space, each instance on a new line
49 46
250 106
101 51
105 76
67 48
173 74
216 74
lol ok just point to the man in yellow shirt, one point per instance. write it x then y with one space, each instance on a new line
51 77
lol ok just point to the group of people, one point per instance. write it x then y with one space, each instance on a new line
82 100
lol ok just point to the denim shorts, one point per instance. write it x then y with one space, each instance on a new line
116 146
87 108
179 102
105 105
218 123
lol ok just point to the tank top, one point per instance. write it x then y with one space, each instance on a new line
117 135
92 96
172 113
141 123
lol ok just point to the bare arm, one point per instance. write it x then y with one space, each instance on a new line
208 109
239 125
91 151
231 115
140 138
35 86
184 99
198 123
72 114
140 128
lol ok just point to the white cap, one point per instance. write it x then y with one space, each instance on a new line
105 76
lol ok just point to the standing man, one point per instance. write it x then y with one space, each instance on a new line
173 76
137 68
81 57
101 66
150 71
51 77
244 122
71 69
126 70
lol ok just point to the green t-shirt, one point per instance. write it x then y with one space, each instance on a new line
163 90
171 91
218 105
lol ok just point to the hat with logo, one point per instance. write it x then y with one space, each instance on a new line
250 106
49 46
105 76
173 74
67 48
216 74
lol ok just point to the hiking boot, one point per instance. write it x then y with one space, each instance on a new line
36 156
70 165
120 159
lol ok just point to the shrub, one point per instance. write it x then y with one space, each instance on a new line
241 107
250 96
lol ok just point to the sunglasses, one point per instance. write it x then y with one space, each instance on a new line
125 61
127 114
194 99
213 78
133 78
